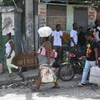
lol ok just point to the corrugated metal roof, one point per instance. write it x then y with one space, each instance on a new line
72 0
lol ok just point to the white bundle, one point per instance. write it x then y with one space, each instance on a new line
45 31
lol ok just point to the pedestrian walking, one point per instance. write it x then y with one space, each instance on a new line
91 56
10 53
44 57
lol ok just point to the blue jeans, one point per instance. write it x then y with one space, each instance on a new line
88 65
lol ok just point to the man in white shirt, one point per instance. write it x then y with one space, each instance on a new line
96 28
57 43
74 35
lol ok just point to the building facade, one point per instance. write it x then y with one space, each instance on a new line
40 13
66 14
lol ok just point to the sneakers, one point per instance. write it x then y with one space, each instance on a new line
10 75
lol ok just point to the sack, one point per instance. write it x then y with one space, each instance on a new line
47 75
94 75
53 54
42 51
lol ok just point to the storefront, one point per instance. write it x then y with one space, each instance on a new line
65 14
56 14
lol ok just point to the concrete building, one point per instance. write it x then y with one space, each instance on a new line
10 21
66 14
40 13
51 12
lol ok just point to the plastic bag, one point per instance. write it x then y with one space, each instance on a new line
47 74
94 75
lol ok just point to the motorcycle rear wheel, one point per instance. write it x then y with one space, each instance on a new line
66 72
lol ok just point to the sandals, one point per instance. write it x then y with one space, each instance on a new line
80 84
55 87
33 88
98 85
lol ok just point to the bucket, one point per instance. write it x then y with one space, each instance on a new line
83 64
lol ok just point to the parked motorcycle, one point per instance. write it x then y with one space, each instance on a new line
68 69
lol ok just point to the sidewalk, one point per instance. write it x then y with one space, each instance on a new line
5 79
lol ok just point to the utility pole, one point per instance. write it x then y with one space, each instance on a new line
29 25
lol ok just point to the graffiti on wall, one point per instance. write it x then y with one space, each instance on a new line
91 18
8 24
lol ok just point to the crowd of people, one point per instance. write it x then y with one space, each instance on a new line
90 40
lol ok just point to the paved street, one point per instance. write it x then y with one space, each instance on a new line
68 91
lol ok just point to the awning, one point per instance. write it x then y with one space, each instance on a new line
55 0
46 0
86 1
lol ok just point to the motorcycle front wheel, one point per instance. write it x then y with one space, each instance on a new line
66 72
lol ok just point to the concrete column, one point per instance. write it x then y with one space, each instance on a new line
29 25
70 17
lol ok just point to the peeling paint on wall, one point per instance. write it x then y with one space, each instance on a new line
29 34
29 26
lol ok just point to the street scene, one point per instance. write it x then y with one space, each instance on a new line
50 49
68 91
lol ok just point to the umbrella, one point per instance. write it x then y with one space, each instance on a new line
44 31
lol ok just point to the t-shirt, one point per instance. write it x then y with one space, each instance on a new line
97 29
81 39
8 46
57 38
73 34
90 53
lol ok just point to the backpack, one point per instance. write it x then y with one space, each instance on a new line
98 47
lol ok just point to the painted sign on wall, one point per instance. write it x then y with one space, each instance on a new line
8 23
42 15
91 18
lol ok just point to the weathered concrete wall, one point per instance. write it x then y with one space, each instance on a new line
36 33
17 29
1 2
29 25
11 18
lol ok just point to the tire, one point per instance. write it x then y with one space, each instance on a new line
66 72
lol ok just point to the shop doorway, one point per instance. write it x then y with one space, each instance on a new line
56 14
81 17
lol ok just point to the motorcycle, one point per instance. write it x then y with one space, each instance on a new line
75 66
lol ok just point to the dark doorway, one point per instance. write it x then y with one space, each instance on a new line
81 17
